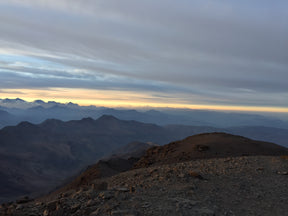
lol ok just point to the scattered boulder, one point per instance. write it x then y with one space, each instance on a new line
202 148
195 175
51 206
105 195
282 172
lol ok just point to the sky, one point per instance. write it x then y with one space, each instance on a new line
207 54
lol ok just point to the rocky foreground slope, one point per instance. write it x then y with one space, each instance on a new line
255 185
223 181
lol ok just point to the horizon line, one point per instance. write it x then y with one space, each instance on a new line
140 105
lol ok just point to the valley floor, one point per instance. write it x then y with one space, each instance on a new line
255 185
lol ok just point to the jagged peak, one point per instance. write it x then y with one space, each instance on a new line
39 101
25 124
8 100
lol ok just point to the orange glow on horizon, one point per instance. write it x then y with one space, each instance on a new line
113 98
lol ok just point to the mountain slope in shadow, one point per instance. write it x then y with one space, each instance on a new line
121 160
39 157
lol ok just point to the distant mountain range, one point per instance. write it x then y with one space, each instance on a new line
43 143
14 111
37 157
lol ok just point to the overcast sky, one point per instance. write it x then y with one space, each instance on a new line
185 52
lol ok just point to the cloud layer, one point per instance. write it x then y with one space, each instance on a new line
202 52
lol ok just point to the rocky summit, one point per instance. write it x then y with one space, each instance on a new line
250 184
208 145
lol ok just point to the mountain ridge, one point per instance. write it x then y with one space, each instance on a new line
38 111
208 145
58 149
42 151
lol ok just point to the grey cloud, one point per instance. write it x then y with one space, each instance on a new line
205 48
165 92
24 79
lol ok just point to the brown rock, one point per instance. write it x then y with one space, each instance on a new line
46 212
132 189
122 189
106 195
75 207
51 206
195 175
19 207
95 213
282 173
58 212
202 148
100 186
91 203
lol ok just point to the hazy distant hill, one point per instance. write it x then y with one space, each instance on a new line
269 134
6 118
38 111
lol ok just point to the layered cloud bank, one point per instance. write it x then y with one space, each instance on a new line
179 53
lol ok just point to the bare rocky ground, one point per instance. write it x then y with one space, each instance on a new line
247 185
